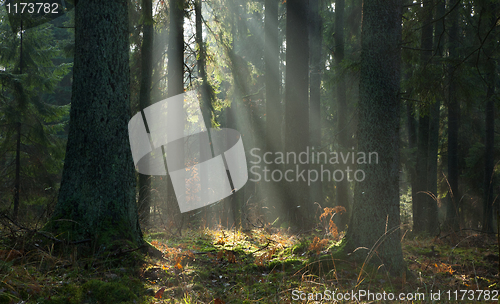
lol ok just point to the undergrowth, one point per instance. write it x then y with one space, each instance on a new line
245 266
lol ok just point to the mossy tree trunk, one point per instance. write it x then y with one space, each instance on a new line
97 195
375 218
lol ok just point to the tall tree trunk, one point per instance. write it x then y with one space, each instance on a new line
206 93
432 164
145 100
20 95
274 116
17 178
489 152
235 202
489 147
97 195
297 106
272 76
412 143
452 210
205 89
236 117
375 217
421 207
342 190
432 226
411 125
160 183
315 47
175 86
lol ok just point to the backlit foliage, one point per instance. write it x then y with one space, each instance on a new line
332 228
318 245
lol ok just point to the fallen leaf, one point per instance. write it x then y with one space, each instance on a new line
159 293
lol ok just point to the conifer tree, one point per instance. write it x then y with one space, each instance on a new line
375 217
97 197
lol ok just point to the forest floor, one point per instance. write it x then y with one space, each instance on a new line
255 266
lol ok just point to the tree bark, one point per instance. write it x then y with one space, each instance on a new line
272 76
489 147
236 119
274 110
342 190
420 204
489 153
205 89
432 164
412 143
97 195
206 92
297 106
17 178
375 217
316 63
452 210
175 86
421 207
20 95
145 100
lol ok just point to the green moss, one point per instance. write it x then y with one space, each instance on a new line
157 236
115 230
301 247
290 264
338 251
337 259
68 294
95 291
